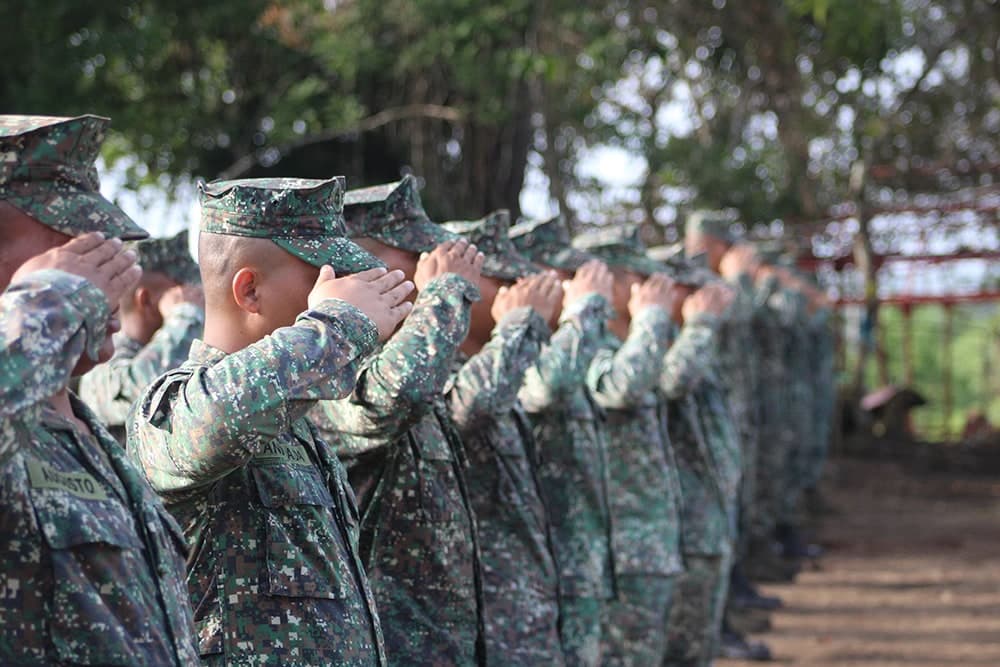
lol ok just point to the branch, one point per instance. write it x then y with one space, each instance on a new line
245 164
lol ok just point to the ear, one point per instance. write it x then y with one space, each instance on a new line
142 299
245 286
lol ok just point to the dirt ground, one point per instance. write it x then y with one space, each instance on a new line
911 575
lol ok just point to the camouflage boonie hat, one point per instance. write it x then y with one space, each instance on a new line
619 246
170 256
685 270
47 170
393 214
548 242
303 216
490 235
710 223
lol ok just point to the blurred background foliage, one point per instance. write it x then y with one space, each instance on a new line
765 107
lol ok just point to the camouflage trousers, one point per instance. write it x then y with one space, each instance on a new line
632 630
770 488
747 500
524 633
695 620
580 630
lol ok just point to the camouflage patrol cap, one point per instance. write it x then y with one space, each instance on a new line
303 216
47 170
619 246
685 270
548 242
490 235
170 256
715 224
393 214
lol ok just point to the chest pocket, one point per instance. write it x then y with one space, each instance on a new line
102 597
305 553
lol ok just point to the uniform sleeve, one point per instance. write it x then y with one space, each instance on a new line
562 366
47 321
399 385
689 359
619 378
487 384
112 388
197 424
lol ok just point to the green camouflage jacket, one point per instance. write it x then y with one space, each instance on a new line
704 438
112 388
93 563
738 363
274 576
643 489
405 461
569 431
520 586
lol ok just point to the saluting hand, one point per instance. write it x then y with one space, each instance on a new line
103 262
459 257
541 291
379 294
714 299
594 277
657 291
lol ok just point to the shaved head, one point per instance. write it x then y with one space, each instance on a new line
252 287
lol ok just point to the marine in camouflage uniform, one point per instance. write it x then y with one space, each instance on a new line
112 388
405 459
643 489
792 307
709 463
275 576
93 564
821 362
738 365
520 582
573 459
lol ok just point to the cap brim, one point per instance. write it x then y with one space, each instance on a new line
80 212
638 263
415 236
508 267
342 254
568 259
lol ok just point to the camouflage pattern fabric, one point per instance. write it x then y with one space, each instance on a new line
694 624
775 430
822 351
739 375
405 462
619 246
48 170
643 490
520 582
572 472
633 624
686 271
580 630
710 465
169 256
393 214
548 242
110 389
710 223
93 564
706 446
303 216
490 235
643 487
799 401
275 576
